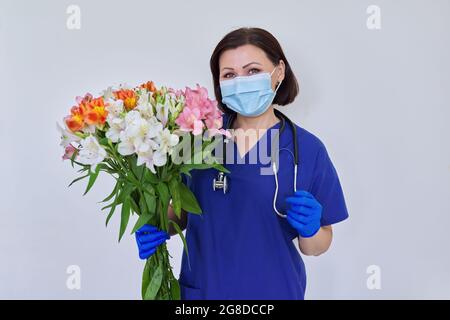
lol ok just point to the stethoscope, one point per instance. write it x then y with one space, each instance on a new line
221 181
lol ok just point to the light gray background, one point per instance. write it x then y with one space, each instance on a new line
378 99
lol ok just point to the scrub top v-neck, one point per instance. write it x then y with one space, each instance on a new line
239 248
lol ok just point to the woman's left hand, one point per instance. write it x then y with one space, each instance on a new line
304 213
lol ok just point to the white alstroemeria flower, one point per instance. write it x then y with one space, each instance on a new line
139 134
134 123
144 106
131 138
107 94
67 137
166 141
162 113
145 155
114 107
173 106
116 126
127 144
155 127
91 152
159 158
133 127
89 129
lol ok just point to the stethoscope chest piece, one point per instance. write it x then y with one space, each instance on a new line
220 182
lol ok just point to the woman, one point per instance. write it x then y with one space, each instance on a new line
239 248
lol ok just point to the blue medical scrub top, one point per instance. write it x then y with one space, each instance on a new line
239 248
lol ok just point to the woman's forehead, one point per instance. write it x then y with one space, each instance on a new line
242 56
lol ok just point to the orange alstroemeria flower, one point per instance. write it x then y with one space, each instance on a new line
96 112
75 121
128 97
149 85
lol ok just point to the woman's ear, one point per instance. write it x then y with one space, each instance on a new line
282 67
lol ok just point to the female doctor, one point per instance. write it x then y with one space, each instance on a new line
239 247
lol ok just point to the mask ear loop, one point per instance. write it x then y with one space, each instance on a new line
279 83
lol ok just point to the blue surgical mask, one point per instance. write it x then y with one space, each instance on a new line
249 96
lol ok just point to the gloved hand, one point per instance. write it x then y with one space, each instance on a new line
304 213
148 238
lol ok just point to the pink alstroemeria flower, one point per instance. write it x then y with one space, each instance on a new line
83 100
197 97
178 93
200 111
190 120
69 151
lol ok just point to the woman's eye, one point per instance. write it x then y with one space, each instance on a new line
228 75
232 75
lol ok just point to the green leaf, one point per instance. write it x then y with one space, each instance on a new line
188 200
220 167
78 179
137 170
106 168
175 289
150 201
185 168
143 205
125 216
85 168
150 177
180 232
142 220
134 205
125 192
145 216
103 141
107 206
164 195
92 178
145 277
148 188
155 284
176 199
72 158
110 214
113 204
112 193
131 178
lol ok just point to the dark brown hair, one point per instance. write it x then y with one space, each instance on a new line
269 44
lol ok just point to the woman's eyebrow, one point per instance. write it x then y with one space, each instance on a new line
254 62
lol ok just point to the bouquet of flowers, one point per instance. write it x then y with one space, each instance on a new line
145 138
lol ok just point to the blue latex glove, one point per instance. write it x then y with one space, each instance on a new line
148 238
304 213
